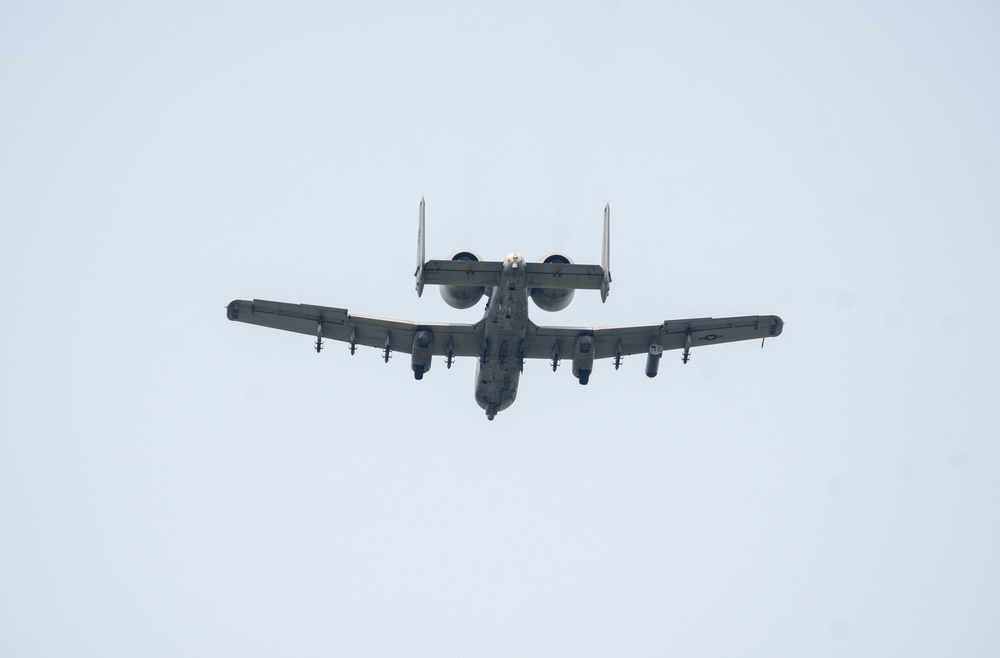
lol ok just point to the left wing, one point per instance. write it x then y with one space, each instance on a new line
544 342
449 340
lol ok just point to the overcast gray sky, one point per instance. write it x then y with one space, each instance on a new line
174 484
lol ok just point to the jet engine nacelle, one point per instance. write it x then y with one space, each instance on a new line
553 299
463 296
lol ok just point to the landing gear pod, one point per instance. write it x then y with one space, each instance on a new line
583 358
653 360
420 360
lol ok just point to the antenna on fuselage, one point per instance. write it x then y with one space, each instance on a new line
606 255
420 252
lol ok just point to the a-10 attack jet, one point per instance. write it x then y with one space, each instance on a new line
505 337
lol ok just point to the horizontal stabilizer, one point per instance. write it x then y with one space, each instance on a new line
462 272
567 276
476 273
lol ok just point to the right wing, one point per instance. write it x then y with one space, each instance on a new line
338 324
670 335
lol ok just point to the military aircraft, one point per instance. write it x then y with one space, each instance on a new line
504 338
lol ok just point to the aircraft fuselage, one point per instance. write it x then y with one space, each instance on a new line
506 325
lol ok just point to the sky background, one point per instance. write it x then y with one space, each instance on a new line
174 484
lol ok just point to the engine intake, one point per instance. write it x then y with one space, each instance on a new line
463 296
553 299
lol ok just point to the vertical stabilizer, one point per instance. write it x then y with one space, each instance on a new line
420 252
606 254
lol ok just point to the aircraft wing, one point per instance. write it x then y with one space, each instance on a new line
670 335
338 324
